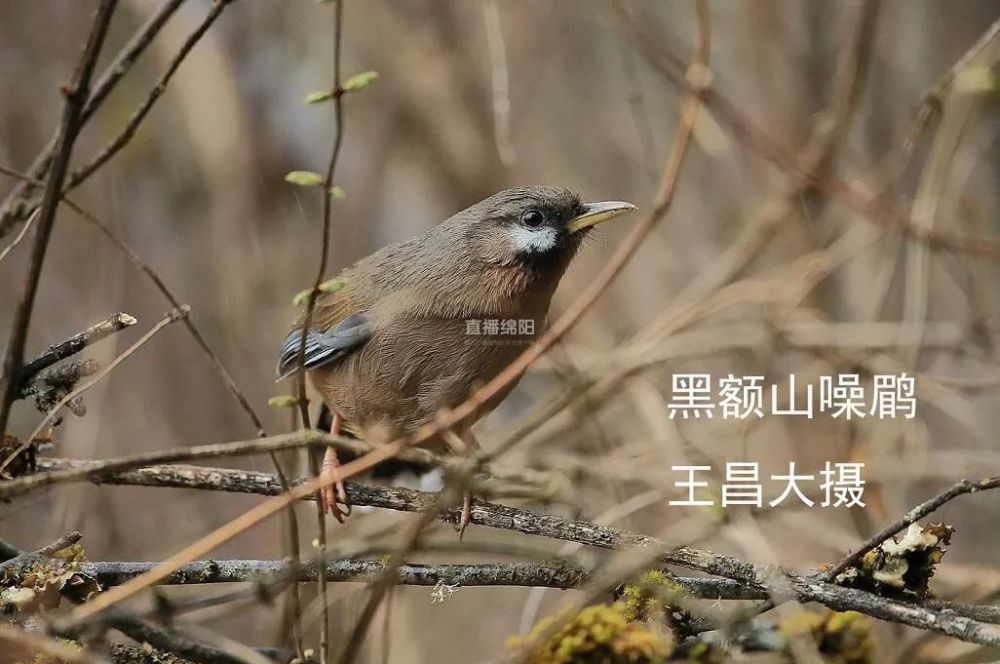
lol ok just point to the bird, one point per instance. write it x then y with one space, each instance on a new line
417 326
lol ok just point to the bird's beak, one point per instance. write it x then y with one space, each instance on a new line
598 213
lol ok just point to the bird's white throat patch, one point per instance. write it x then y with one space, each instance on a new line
533 240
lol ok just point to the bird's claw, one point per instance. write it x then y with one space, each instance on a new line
330 496
466 517
334 496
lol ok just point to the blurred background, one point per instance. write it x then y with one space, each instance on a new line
476 96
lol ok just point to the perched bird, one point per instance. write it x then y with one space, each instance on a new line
414 326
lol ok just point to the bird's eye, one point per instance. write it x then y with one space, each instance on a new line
532 219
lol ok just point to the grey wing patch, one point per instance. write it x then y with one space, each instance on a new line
323 347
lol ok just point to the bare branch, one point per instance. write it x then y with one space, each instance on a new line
64 470
549 575
103 468
72 346
545 574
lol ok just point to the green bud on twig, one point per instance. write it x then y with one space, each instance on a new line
359 81
331 286
304 178
283 401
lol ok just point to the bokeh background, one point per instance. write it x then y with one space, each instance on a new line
199 193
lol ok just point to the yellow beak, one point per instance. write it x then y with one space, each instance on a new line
598 213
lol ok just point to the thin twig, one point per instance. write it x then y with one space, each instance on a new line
21 234
25 559
76 94
120 141
10 213
101 469
500 76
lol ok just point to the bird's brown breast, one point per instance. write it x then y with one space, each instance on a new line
425 353
413 367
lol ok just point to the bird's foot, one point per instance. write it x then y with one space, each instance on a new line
334 496
466 517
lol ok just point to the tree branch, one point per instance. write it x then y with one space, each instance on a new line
751 579
549 575
544 574
141 631
70 347
67 470
77 471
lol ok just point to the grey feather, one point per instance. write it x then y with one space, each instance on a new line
322 348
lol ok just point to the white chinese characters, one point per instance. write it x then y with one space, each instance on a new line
838 485
844 396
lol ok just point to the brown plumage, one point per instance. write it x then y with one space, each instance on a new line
392 347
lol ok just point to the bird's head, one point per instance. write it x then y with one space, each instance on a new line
533 226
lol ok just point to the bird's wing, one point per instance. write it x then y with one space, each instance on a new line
338 329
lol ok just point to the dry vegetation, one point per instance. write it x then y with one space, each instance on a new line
817 186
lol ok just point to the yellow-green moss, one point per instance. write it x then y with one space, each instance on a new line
654 599
596 634
843 638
